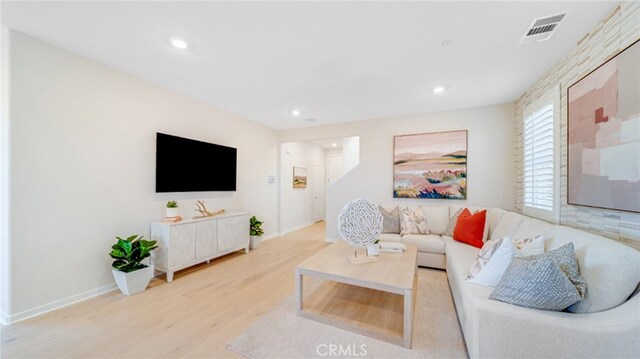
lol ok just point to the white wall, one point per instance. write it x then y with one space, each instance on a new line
5 248
490 157
350 153
82 170
296 204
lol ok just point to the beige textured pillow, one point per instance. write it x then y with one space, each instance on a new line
452 223
529 246
413 222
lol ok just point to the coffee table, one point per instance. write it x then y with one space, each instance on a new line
392 273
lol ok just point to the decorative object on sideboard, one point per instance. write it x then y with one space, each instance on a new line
360 225
430 165
131 275
203 211
171 213
299 177
255 232
603 135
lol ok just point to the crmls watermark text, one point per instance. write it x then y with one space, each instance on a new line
339 350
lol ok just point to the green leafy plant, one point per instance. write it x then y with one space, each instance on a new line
172 204
129 253
255 227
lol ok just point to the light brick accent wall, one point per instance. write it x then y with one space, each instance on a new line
615 32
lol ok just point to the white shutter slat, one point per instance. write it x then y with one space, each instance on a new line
538 158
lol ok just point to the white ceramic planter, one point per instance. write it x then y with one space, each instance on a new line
255 242
133 282
373 249
171 212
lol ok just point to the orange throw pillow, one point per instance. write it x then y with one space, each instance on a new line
470 228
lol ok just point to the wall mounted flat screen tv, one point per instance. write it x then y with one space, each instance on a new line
185 165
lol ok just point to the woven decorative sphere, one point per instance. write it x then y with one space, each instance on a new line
360 223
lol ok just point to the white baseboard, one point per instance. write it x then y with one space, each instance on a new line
270 236
4 318
332 240
292 229
45 308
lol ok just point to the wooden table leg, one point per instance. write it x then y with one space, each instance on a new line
298 291
407 332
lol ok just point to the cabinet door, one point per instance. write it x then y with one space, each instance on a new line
183 244
233 233
206 238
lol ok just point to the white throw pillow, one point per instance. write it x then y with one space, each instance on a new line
492 272
487 250
529 246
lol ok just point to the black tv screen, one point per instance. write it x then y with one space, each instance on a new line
185 165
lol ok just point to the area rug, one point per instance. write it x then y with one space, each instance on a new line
282 334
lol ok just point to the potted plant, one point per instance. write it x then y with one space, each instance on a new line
172 209
131 275
255 232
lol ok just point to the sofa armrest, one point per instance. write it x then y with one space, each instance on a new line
503 330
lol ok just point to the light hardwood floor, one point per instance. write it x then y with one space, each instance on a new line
195 316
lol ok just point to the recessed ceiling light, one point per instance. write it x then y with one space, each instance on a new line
334 145
447 42
438 89
179 43
310 120
295 113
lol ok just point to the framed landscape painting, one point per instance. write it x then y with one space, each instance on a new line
299 177
430 165
603 158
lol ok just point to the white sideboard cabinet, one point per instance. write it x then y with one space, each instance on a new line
193 241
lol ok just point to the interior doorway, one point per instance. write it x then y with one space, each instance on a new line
318 193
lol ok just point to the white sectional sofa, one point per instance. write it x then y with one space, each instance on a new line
493 329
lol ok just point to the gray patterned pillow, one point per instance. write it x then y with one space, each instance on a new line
549 281
391 220
452 223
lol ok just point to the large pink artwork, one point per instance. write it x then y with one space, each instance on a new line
430 165
604 135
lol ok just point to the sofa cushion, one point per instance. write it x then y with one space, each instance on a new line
456 210
611 269
390 237
429 243
508 225
390 220
413 221
437 218
493 217
531 227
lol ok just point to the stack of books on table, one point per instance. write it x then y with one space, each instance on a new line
392 247
171 219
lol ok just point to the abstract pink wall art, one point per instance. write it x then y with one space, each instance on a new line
603 164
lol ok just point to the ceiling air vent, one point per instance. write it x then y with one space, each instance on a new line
541 29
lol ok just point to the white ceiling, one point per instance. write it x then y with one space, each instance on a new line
334 61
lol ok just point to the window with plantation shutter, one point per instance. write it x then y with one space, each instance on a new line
540 162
